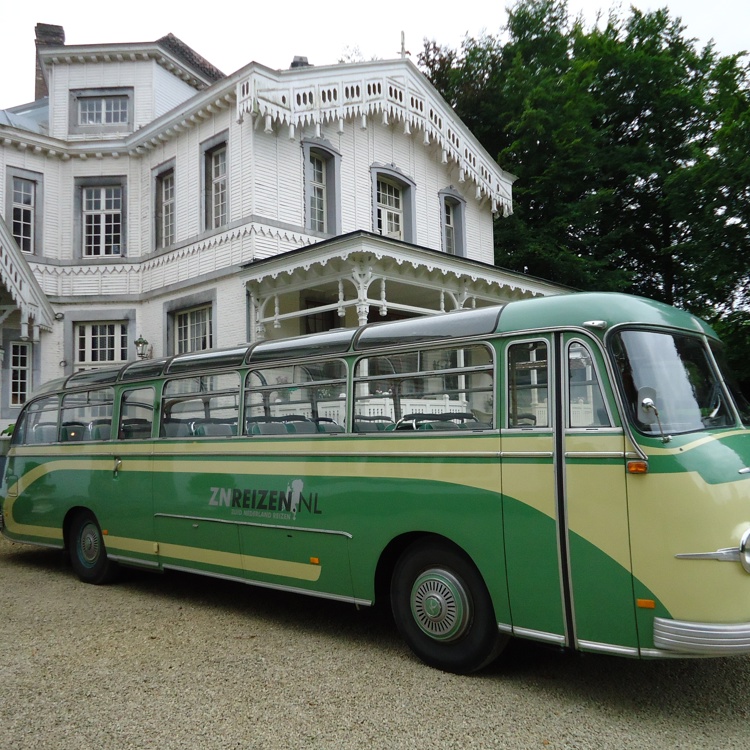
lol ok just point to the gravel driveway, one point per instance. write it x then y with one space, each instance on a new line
180 661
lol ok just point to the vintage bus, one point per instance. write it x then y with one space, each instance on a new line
572 469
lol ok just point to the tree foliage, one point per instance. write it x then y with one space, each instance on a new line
632 149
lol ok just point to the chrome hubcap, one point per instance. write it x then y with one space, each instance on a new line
89 545
440 605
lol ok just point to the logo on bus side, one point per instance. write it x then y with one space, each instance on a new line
266 503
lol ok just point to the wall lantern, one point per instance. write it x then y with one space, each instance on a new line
141 347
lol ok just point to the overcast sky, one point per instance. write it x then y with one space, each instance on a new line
272 33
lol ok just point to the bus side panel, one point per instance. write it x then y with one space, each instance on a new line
531 537
190 531
121 496
294 528
274 514
693 500
599 542
50 487
397 498
42 489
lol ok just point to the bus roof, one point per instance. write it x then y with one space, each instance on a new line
605 309
598 311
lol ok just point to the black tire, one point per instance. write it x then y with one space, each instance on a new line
443 609
88 555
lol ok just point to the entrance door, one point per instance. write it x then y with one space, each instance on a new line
565 506
594 503
124 487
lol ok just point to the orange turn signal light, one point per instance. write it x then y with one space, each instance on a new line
314 561
637 467
646 603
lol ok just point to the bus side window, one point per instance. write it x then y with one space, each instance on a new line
307 399
585 401
38 422
136 414
87 415
527 385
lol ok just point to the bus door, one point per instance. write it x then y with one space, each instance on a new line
125 508
528 485
565 508
593 504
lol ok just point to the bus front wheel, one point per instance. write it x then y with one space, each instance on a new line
88 556
443 609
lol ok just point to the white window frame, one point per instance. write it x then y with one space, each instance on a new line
193 329
453 221
23 199
104 111
390 212
20 372
29 241
322 175
450 227
216 184
386 182
165 208
106 220
318 193
96 347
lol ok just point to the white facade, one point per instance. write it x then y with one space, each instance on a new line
150 196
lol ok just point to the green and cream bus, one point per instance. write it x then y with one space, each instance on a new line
571 469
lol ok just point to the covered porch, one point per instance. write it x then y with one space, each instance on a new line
362 277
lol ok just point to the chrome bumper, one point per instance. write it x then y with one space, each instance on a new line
701 638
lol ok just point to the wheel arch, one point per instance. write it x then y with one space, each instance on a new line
393 551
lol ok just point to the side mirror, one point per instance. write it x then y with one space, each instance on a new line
647 411
646 406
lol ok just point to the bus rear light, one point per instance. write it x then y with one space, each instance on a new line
637 467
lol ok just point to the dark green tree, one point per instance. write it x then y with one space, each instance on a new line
632 151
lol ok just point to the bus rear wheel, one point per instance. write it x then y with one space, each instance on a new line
443 609
88 556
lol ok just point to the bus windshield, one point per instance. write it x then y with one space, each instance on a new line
743 407
669 383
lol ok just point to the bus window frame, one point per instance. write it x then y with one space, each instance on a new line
421 349
167 402
121 398
88 426
549 343
589 345
265 389
19 437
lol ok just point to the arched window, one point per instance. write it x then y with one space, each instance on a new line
322 193
393 212
452 221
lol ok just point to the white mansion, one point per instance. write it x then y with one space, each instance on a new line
144 195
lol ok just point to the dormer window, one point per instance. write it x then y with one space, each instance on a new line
104 110
99 111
